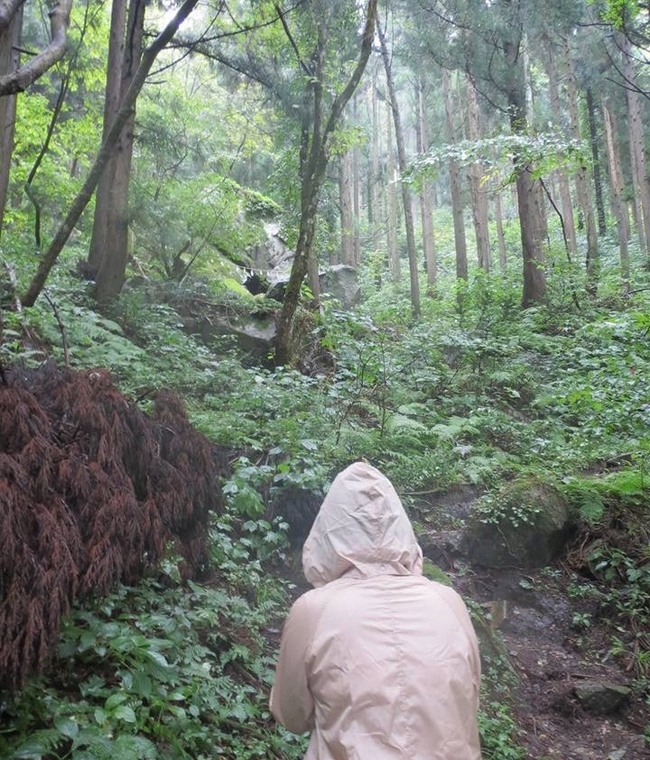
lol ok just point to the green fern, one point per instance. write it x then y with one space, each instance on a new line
586 500
40 744
628 484
399 424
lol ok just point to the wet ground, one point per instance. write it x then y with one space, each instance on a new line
554 646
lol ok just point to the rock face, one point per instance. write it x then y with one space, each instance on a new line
254 332
601 697
528 526
272 265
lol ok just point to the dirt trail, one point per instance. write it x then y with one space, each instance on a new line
549 655
550 659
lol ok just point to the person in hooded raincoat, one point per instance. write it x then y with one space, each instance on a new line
378 662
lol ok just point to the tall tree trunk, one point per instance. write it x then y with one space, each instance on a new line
112 270
375 189
426 198
345 203
9 61
620 207
403 165
527 187
392 203
356 191
455 186
85 194
592 113
568 220
501 240
637 144
116 42
313 176
582 177
478 193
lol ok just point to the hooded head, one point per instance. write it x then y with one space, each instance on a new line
361 529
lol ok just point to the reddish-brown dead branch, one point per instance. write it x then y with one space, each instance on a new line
92 493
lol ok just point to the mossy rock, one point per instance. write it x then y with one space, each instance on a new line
526 524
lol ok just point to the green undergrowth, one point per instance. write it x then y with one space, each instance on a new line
474 394
166 670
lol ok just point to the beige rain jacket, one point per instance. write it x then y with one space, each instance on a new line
377 661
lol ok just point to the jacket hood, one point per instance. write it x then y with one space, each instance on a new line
361 529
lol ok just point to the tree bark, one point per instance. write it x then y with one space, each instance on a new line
356 191
112 270
617 185
637 145
568 219
527 187
592 113
116 43
477 191
9 61
582 177
403 165
345 202
501 240
19 79
455 186
392 204
374 186
85 194
426 199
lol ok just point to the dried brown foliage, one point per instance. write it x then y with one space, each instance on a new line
92 493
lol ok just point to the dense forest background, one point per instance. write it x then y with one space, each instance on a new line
246 243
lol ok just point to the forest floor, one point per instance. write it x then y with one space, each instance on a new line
548 659
550 641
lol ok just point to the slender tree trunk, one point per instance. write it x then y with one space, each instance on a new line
345 201
392 203
478 193
402 162
582 177
313 176
9 61
455 186
527 187
85 194
375 194
112 269
426 199
568 220
592 114
501 240
637 144
620 207
356 191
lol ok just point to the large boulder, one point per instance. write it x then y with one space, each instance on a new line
526 524
253 332
272 262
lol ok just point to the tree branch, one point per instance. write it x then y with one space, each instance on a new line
292 41
20 79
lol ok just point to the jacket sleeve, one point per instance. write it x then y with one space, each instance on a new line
291 701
